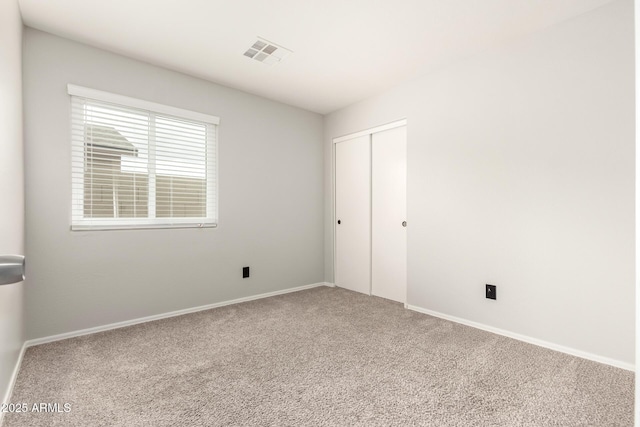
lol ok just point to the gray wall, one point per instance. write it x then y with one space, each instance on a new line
271 204
521 174
11 185
636 5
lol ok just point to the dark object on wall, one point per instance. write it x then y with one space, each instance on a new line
245 272
491 291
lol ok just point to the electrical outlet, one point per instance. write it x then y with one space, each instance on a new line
245 272
491 291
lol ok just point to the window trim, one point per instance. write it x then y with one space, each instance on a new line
127 101
149 223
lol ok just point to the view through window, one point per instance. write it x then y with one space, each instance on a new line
135 167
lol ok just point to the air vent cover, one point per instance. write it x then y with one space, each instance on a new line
267 52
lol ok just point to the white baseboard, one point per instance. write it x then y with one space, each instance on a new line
12 382
527 339
88 331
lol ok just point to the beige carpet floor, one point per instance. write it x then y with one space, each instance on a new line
321 357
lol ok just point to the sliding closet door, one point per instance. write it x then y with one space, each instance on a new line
389 213
353 214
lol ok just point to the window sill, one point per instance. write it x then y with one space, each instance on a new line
105 227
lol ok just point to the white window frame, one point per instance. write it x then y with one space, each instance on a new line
79 223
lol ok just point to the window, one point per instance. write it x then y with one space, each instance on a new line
137 164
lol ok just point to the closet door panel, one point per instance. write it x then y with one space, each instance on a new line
389 211
353 214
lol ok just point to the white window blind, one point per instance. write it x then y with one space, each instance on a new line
137 164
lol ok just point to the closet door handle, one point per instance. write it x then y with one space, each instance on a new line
404 223
339 222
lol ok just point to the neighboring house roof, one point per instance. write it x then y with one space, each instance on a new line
108 137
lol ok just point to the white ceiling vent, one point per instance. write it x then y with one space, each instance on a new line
267 52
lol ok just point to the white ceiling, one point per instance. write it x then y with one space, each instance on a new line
344 50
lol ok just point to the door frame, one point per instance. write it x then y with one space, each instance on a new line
370 131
